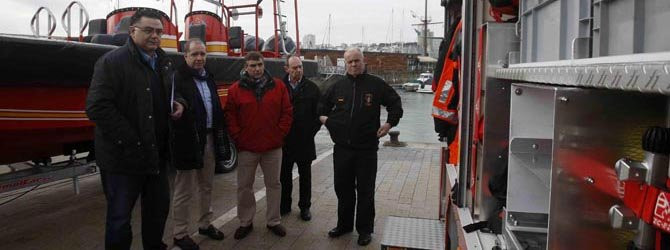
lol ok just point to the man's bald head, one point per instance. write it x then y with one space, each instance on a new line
294 68
355 61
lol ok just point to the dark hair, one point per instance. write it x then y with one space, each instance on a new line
253 56
187 44
144 12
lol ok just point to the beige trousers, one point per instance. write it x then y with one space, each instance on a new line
184 184
247 162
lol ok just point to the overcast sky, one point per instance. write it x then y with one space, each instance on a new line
351 20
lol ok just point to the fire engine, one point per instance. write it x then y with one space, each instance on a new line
562 128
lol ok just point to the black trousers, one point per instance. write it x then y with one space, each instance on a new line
121 192
286 178
355 173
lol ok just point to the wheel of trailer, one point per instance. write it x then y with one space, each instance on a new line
231 163
42 162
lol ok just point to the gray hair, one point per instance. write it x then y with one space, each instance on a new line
187 45
289 58
353 49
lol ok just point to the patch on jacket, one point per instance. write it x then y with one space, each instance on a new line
368 99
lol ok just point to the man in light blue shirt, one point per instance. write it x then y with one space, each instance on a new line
196 145
206 95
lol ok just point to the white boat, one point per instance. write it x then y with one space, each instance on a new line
412 85
426 89
426 83
421 84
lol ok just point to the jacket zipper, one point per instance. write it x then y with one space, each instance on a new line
351 115
157 170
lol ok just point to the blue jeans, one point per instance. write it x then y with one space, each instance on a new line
121 192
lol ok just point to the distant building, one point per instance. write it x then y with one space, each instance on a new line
411 48
396 47
308 41
433 44
393 67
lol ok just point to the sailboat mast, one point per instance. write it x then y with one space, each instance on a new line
425 30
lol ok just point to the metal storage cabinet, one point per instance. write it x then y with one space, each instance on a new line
528 181
564 142
500 39
552 30
630 26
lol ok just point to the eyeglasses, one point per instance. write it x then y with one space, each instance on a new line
150 31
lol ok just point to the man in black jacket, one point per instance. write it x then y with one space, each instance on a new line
131 100
350 109
194 144
299 145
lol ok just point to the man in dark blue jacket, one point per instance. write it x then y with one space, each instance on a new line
130 100
299 145
195 145
350 109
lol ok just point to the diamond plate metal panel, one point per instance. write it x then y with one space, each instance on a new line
622 73
413 233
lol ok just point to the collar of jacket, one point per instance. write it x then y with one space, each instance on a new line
248 83
362 75
288 83
186 70
134 51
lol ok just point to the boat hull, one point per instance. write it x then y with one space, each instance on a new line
43 88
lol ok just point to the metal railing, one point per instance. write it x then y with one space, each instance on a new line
83 20
35 22
331 70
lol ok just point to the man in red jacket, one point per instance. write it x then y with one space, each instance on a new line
259 116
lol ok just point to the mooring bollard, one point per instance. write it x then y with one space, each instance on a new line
394 142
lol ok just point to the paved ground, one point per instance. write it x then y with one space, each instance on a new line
52 217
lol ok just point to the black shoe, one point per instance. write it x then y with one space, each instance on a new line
211 232
278 230
186 243
337 232
242 232
364 239
284 212
305 214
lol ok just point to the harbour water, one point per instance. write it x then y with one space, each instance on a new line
416 124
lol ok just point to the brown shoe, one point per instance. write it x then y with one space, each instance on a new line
242 232
278 230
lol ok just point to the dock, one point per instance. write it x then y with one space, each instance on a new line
52 217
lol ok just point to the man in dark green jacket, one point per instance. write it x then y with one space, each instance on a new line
131 100
350 109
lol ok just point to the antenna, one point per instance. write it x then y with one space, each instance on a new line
402 42
363 36
389 39
425 30
327 34
391 25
